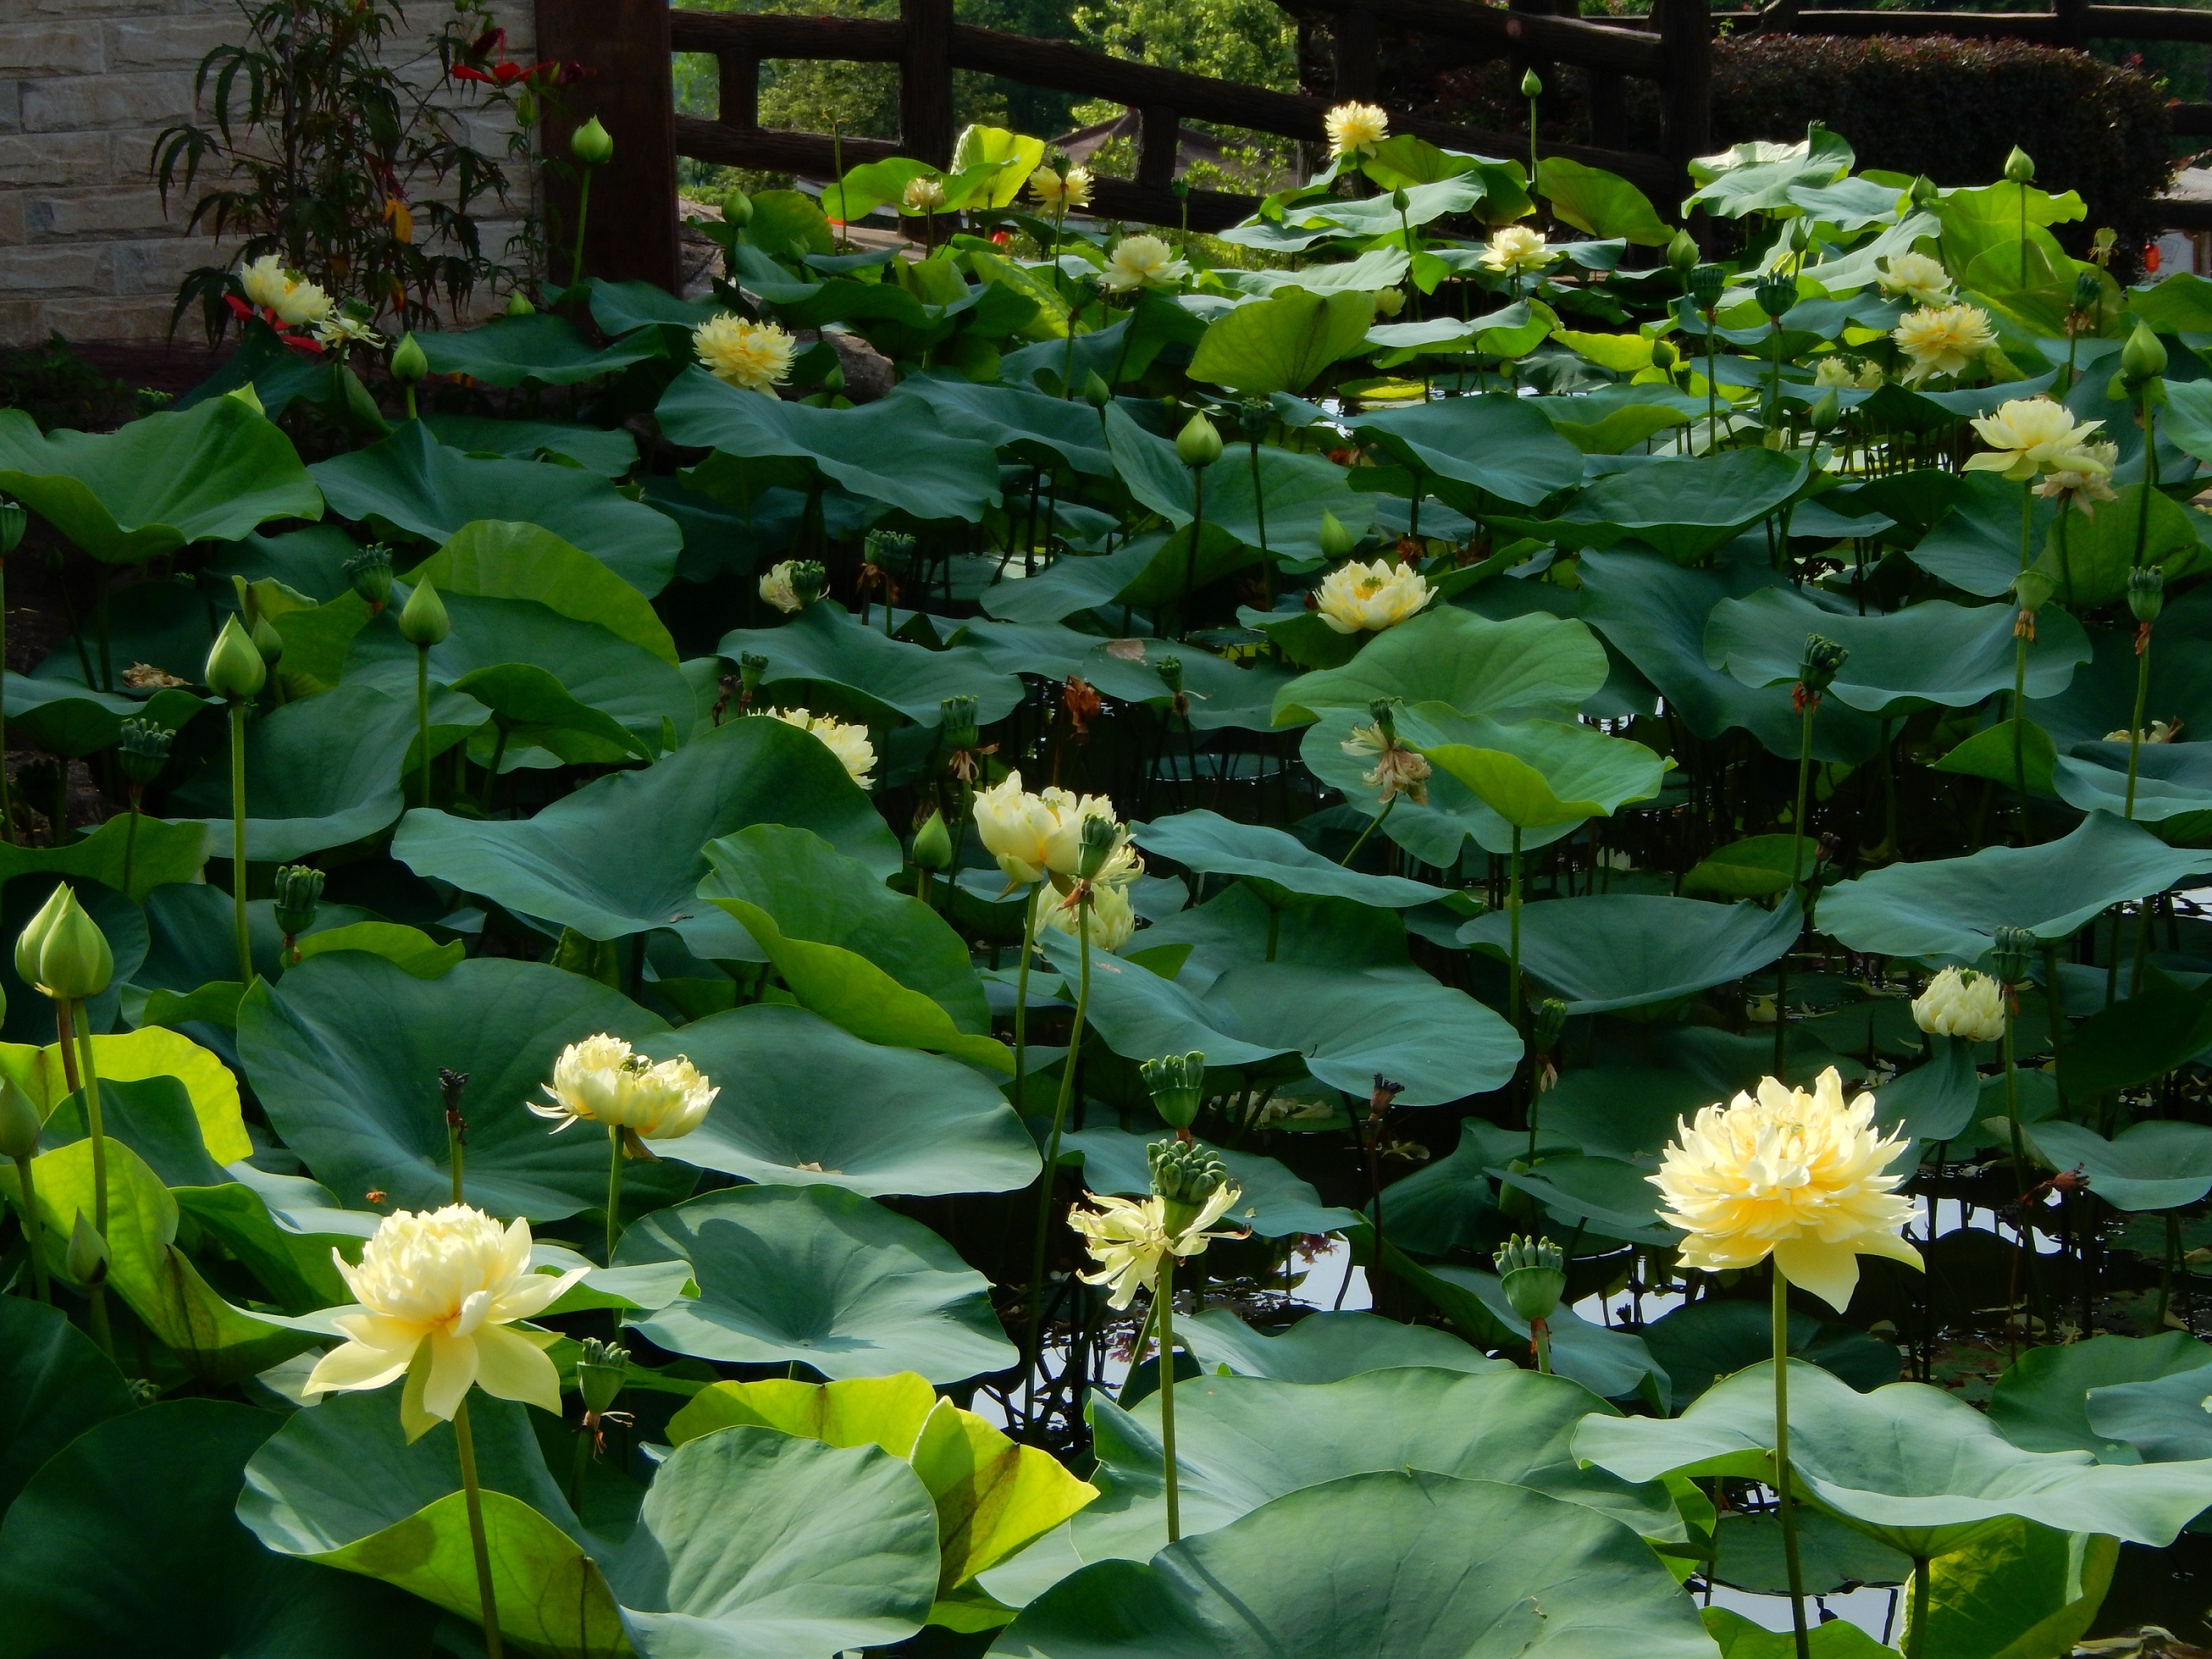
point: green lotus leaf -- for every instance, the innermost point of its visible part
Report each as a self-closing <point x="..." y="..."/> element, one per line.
<point x="1988" y="754"/>
<point x="1233" y="926"/>
<point x="1336" y="218"/>
<point x="1282" y="342"/>
<point x="344" y="1052"/>
<point x="1614" y="1198"/>
<point x="881" y="964"/>
<point x="2157" y="1165"/>
<point x="1023" y="424"/>
<point x="126" y="1542"/>
<point x="152" y="1116"/>
<point x="497" y="560"/>
<point x="820" y="1278"/>
<point x="541" y="350"/>
<point x="1276" y="1204"/>
<point x="1758" y="177"/>
<point x="1298" y="489"/>
<point x="1379" y="267"/>
<point x="2102" y="697"/>
<point x="1206" y="841"/>
<point x="1433" y="830"/>
<point x="1474" y="452"/>
<point x="1611" y="419"/>
<point x="159" y="855"/>
<point x="2046" y="1398"/>
<point x="2163" y="1418"/>
<point x="1930" y="654"/>
<point x="1936" y="1101"/>
<point x="2174" y="783"/>
<point x="212" y="473"/>
<point x="622" y="855"/>
<point x="1701" y="1342"/>
<point x="2022" y="1589"/>
<point x="866" y="676"/>
<point x="414" y="482"/>
<point x="1378" y="1555"/>
<point x="1613" y="1363"/>
<point x="54" y="1385"/>
<point x="1910" y="1465"/>
<point x="1511" y="331"/>
<point x="621" y="308"/>
<point x="1534" y="666"/>
<point x="878" y="450"/>
<point x="1748" y="1555"/>
<point x="808" y="1103"/>
<point x="1757" y="867"/>
<point x="1974" y="544"/>
<point x="1222" y="693"/>
<point x="1603" y="204"/>
<point x="1681" y="508"/>
<point x="319" y="772"/>
<point x="609" y="453"/>
<point x="2092" y="569"/>
<point x="1654" y="613"/>
<point x="1628" y="951"/>
<point x="342" y="1486"/>
<point x="69" y="718"/>
<point x="1537" y="773"/>
<point x="2127" y="1043"/>
<point x="1323" y="1347"/>
<point x="1627" y="1112"/>
<point x="1953" y="907"/>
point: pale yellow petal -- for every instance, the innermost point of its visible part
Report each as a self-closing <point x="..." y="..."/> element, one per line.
<point x="1830" y="1272"/>
<point x="512" y="1367"/>
<point x="534" y="1294"/>
<point x="452" y="1372"/>
<point x="357" y="1365"/>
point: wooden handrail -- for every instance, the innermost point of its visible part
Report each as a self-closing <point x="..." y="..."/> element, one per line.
<point x="1568" y="40"/>
<point x="780" y="34"/>
<point x="2081" y="23"/>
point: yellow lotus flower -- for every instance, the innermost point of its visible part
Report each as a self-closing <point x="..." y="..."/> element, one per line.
<point x="1801" y="1176"/>
<point x="455" y="1279"/>
<point x="1128" y="1237"/>
<point x="340" y="332"/>
<point x="1943" y="340"/>
<point x="1355" y="129"/>
<point x="1112" y="919"/>
<point x="1032" y="835"/>
<point x="295" y="300"/>
<point x="1066" y="191"/>
<point x="1358" y="597"/>
<point x="922" y="195"/>
<point x="1834" y="371"/>
<point x="1515" y="250"/>
<point x="847" y="740"/>
<point x="2160" y="731"/>
<point x="753" y="356"/>
<point x="2029" y="436"/>
<point x="775" y="587"/>
<point x="1961" y="1004"/>
<point x="1140" y="262"/>
<point x="1390" y="301"/>
<point x="2084" y="476"/>
<point x="1917" y="277"/>
<point x="1398" y="770"/>
<point x="603" y="1081"/>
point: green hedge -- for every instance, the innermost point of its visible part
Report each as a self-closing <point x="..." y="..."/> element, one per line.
<point x="1946" y="107"/>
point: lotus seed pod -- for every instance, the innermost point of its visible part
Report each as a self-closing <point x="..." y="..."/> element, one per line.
<point x="409" y="364"/>
<point x="1707" y="284"/>
<point x="1336" y="542"/>
<point x="73" y="960"/>
<point x="299" y="888"/>
<point x="1169" y="669"/>
<point x="422" y="619"/>
<point x="592" y="144"/>
<point x="2089" y="292"/>
<point x="809" y="578"/>
<point x="1775" y="294"/>
<point x="1533" y="1273"/>
<point x="1551" y="1020"/>
<point x="1177" y="1082"/>
<point x="1824" y="659"/>
<point x="1102" y="837"/>
<point x="2019" y="167"/>
<point x="1256" y="415"/>
<point x="1184" y="1176"/>
<point x="2146" y="592"/>
<point x="369" y="573"/>
<point x="2034" y="589"/>
<point x="20" y="1125"/>
<point x="932" y="844"/>
<point x="1199" y="443"/>
<point x="86" y="1261"/>
<point x="142" y="749"/>
<point x="956" y="722"/>
<point x="599" y="1371"/>
<point x="2008" y="954"/>
<point x="236" y="668"/>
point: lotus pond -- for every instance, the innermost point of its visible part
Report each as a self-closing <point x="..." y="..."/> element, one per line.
<point x="710" y="924"/>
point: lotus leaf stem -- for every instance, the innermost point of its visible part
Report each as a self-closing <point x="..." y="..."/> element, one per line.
<point x="1781" y="1498"/>
<point x="465" y="1442"/>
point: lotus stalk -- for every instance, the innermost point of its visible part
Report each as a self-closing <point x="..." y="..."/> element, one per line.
<point x="19" y="1128"/>
<point x="2146" y="598"/>
<point x="14" y="524"/>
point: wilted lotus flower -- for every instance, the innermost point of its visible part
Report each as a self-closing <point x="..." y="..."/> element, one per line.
<point x="1398" y="769"/>
<point x="603" y="1081"/>
<point x="1800" y="1176"/>
<point x="1961" y="1003"/>
<point x="456" y="1279"/>
<point x="1128" y="1238"/>
<point x="845" y="739"/>
<point x="1358" y="598"/>
<point x="2083" y="476"/>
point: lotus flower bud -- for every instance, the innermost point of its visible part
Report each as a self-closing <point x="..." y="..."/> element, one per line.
<point x="268" y="641"/>
<point x="1177" y="1082"/>
<point x="2008" y="954"/>
<point x="1825" y="411"/>
<point x="1707" y="283"/>
<point x="1824" y="661"/>
<point x="1775" y="294"/>
<point x="2146" y="592"/>
<point x="1682" y="254"/>
<point x="600" y="1372"/>
<point x="2089" y="292"/>
<point x="142" y="749"/>
<point x="86" y="1261"/>
<point x="1533" y="1273"/>
<point x="13" y="521"/>
<point x="518" y="305"/>
<point x="1967" y="1005"/>
<point x="73" y="960"/>
<point x="1399" y="200"/>
<point x="2142" y="359"/>
<point x="1924" y="192"/>
<point x="1199" y="444"/>
<point x="1664" y="356"/>
<point x="2019" y="167"/>
<point x="1390" y="301"/>
<point x="33" y="939"/>
<point x="1184" y="1176"/>
<point x="1336" y="542"/>
<point x="592" y="144"/>
<point x="932" y="844"/>
<point x="1532" y="84"/>
<point x="809" y="578"/>
<point x="20" y="1124"/>
<point x="956" y="722"/>
<point x="1255" y="414"/>
<point x="422" y="619"/>
<point x="1102" y="837"/>
<point x="1180" y="185"/>
<point x="409" y="364"/>
<point x="737" y="208"/>
<point x="299" y="887"/>
<point x="369" y="573"/>
<point x="1096" y="391"/>
<point x="235" y="669"/>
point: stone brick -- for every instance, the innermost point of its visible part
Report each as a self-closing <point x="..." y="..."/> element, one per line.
<point x="12" y="203"/>
<point x="51" y="48"/>
<point x="96" y="213"/>
<point x="11" y="106"/>
<point x="169" y="42"/>
<point x="54" y="158"/>
<point x="75" y="103"/>
<point x="156" y="265"/>
<point x="86" y="269"/>
<point x="146" y="317"/>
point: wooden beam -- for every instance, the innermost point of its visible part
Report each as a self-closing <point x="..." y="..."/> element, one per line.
<point x="1685" y="98"/>
<point x="1966" y="25"/>
<point x="2191" y="120"/>
<point x="926" y="81"/>
<point x="776" y="34"/>
<point x="1568" y="40"/>
<point x="631" y="231"/>
<point x="2150" y="23"/>
<point x="1352" y="33"/>
<point x="2183" y="213"/>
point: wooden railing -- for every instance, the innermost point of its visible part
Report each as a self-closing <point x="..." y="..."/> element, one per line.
<point x="624" y="46"/>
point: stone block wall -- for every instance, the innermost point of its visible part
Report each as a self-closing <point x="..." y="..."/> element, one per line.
<point x="86" y="248"/>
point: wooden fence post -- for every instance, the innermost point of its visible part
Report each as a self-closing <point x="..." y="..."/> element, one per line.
<point x="1159" y="139"/>
<point x="622" y="46"/>
<point x="2072" y="23"/>
<point x="738" y="86"/>
<point x="926" y="81"/>
<point x="1353" y="33"/>
<point x="1685" y="39"/>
